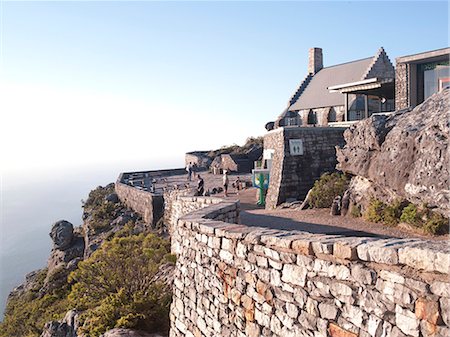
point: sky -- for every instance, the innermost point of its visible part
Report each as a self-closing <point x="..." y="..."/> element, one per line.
<point x="96" y="83"/>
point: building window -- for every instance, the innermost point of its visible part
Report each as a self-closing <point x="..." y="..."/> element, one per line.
<point x="356" y="109"/>
<point x="435" y="77"/>
<point x="292" y="121"/>
<point x="312" y="118"/>
<point x="332" y="115"/>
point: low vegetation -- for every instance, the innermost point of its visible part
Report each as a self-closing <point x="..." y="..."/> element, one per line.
<point x="115" y="287"/>
<point x="403" y="212"/>
<point x="102" y="212"/>
<point x="329" y="186"/>
<point x="27" y="313"/>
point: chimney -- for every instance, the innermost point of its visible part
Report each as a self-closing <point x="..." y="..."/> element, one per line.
<point x="315" y="62"/>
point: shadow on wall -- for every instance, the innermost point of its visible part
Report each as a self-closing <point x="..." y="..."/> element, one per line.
<point x="274" y="222"/>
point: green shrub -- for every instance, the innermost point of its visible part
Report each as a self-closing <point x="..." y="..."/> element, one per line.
<point x="114" y="286"/>
<point x="103" y="215"/>
<point x="436" y="224"/>
<point x="327" y="188"/>
<point x="392" y="213"/>
<point x="410" y="215"/>
<point x="355" y="211"/>
<point x="26" y="315"/>
<point x="375" y="210"/>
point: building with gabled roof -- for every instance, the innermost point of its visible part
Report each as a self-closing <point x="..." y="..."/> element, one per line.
<point x="344" y="92"/>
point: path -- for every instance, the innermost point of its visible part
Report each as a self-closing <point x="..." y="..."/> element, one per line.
<point x="318" y="221"/>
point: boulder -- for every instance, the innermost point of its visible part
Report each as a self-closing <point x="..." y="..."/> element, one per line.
<point x="62" y="234"/>
<point x="401" y="156"/>
<point x="113" y="197"/>
<point x="60" y="257"/>
<point x="67" y="327"/>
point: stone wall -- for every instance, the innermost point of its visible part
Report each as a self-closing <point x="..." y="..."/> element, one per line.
<point x="149" y="205"/>
<point x="232" y="280"/>
<point x="401" y="86"/>
<point x="292" y="176"/>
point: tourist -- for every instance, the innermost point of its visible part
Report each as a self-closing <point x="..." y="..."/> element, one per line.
<point x="200" y="186"/>
<point x="225" y="183"/>
<point x="189" y="171"/>
<point x="237" y="185"/>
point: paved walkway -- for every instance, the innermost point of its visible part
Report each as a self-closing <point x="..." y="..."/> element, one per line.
<point x="318" y="221"/>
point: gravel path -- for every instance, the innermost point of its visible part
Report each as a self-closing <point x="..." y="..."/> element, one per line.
<point x="318" y="221"/>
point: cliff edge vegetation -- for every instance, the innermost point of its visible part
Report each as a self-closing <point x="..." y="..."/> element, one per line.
<point x="111" y="273"/>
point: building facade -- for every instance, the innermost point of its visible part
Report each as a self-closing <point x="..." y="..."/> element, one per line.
<point x="346" y="92"/>
<point x="419" y="76"/>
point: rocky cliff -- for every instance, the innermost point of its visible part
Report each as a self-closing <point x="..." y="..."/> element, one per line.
<point x="42" y="306"/>
<point x="401" y="156"/>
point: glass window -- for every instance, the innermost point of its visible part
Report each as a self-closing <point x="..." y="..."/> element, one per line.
<point x="356" y="109"/>
<point x="435" y="78"/>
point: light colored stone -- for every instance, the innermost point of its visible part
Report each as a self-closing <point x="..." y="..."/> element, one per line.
<point x="445" y="310"/>
<point x="428" y="259"/>
<point x="252" y="330"/>
<point x="328" y="311"/>
<point x="292" y="310"/>
<point x="406" y="321"/>
<point x="440" y="288"/>
<point x="294" y="274"/>
<point x="362" y="275"/>
<point x="353" y="314"/>
<point x="392" y="277"/>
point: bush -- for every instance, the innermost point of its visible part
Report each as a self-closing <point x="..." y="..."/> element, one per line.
<point x="327" y="188"/>
<point x="436" y="224"/>
<point x="355" y="211"/>
<point x="114" y="286"/>
<point x="392" y="213"/>
<point x="26" y="314"/>
<point x="375" y="210"/>
<point x="410" y="215"/>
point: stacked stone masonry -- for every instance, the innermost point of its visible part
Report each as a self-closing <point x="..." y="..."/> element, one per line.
<point x="292" y="176"/>
<point x="148" y="205"/>
<point x="233" y="280"/>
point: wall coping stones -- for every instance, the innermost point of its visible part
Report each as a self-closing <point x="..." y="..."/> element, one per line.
<point x="419" y="254"/>
<point x="236" y="280"/>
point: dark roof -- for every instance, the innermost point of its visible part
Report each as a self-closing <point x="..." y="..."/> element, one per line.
<point x="316" y="94"/>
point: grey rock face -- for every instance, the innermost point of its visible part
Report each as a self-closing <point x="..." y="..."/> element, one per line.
<point x="65" y="328"/>
<point x="59" y="257"/>
<point x="404" y="155"/>
<point x="62" y="234"/>
<point x="112" y="198"/>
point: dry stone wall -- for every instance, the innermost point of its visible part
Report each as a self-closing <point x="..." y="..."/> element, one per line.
<point x="292" y="175"/>
<point x="148" y="205"/>
<point x="233" y="280"/>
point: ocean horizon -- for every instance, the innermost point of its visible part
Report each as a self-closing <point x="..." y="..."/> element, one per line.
<point x="32" y="202"/>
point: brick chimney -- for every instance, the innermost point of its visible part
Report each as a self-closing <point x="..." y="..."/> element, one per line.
<point x="315" y="62"/>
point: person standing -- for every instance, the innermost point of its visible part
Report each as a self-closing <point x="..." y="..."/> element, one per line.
<point x="225" y="181"/>
<point x="200" y="186"/>
<point x="237" y="185"/>
<point x="189" y="171"/>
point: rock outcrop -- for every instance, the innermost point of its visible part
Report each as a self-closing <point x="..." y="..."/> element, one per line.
<point x="401" y="156"/>
<point x="68" y="245"/>
<point x="67" y="327"/>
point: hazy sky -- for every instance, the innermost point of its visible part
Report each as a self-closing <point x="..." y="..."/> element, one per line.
<point x="86" y="83"/>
